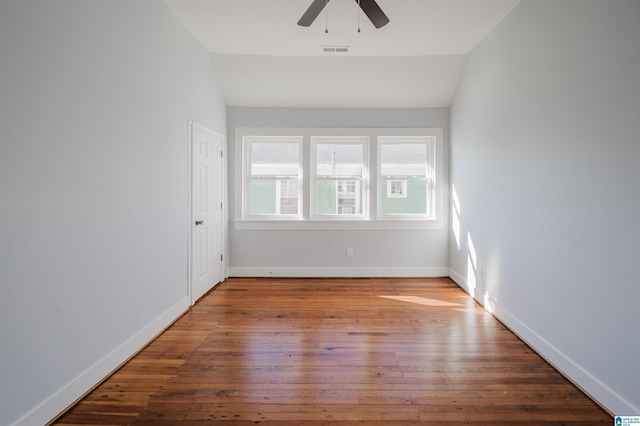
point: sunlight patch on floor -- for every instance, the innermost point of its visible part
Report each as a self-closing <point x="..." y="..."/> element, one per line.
<point x="422" y="301"/>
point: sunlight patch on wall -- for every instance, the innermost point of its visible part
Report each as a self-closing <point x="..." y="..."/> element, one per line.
<point x="471" y="266"/>
<point x="455" y="220"/>
<point x="488" y="303"/>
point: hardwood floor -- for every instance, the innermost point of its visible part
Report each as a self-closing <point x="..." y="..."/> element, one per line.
<point x="336" y="352"/>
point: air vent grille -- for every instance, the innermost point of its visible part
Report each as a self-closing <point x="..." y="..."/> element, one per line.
<point x="335" y="49"/>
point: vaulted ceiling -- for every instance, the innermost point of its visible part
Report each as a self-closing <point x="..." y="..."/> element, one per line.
<point x="263" y="58"/>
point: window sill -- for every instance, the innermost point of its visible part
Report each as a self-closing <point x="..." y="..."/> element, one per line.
<point x="338" y="225"/>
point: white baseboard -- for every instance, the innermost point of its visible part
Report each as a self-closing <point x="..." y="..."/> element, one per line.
<point x="597" y="390"/>
<point x="72" y="391"/>
<point x="459" y="279"/>
<point x="345" y="272"/>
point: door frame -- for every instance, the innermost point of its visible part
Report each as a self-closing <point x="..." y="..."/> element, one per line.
<point x="225" y="202"/>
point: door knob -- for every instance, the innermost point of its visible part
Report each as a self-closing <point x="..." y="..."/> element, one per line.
<point x="199" y="222"/>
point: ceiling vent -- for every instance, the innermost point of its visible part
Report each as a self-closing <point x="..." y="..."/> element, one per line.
<point x="335" y="49"/>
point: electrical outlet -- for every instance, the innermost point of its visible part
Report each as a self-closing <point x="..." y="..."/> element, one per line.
<point x="349" y="252"/>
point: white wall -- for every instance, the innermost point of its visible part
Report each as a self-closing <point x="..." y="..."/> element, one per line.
<point x="322" y="253"/>
<point x="545" y="146"/>
<point x="94" y="105"/>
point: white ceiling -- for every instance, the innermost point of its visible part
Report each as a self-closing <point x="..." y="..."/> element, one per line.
<point x="264" y="59"/>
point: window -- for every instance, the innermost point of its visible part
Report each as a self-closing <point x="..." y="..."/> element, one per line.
<point x="406" y="177"/>
<point x="272" y="185"/>
<point x="320" y="179"/>
<point x="339" y="176"/>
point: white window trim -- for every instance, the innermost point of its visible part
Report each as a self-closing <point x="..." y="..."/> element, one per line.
<point x="304" y="222"/>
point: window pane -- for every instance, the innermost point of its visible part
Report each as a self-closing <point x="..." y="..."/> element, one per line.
<point x="263" y="197"/>
<point x="326" y="197"/>
<point x="348" y="197"/>
<point x="274" y="197"/>
<point x="403" y="159"/>
<point x="275" y="159"/>
<point x="338" y="197"/>
<point x="412" y="201"/>
<point x="288" y="197"/>
<point x="333" y="159"/>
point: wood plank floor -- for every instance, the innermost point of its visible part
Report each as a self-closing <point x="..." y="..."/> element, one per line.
<point x="336" y="352"/>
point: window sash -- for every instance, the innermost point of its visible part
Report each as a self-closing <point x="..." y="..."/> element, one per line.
<point x="332" y="170"/>
<point x="265" y="174"/>
<point x="339" y="198"/>
<point x="414" y="169"/>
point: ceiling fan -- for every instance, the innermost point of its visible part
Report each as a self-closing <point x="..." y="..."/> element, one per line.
<point x="369" y="7"/>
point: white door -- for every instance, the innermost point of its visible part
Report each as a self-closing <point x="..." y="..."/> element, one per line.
<point x="206" y="211"/>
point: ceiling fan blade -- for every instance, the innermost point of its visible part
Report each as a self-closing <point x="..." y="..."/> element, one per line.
<point x="312" y="13"/>
<point x="374" y="13"/>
